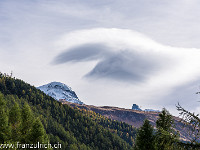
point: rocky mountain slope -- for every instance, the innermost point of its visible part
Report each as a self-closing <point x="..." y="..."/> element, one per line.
<point x="132" y="117"/>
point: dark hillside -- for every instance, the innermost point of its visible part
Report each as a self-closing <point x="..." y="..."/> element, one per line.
<point x="63" y="124"/>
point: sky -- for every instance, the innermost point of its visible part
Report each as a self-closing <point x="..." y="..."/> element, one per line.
<point x="114" y="53"/>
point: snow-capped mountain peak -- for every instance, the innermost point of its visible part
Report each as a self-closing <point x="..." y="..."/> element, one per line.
<point x="60" y="91"/>
<point x="59" y="85"/>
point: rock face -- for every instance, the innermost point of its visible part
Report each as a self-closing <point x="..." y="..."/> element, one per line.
<point x="60" y="91"/>
<point x="136" y="107"/>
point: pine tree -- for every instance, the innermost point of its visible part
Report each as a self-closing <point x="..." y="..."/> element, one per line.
<point x="191" y="120"/>
<point x="166" y="137"/>
<point x="38" y="134"/>
<point x="73" y="147"/>
<point x="27" y="120"/>
<point x="165" y="120"/>
<point x="5" y="130"/>
<point x="15" y="122"/>
<point x="63" y="118"/>
<point x="145" y="137"/>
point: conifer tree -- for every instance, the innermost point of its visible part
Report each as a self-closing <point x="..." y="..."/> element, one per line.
<point x="15" y="122"/>
<point x="5" y="130"/>
<point x="58" y="120"/>
<point x="27" y="120"/>
<point x="38" y="134"/>
<point x="145" y="137"/>
<point x="165" y="120"/>
<point x="166" y="137"/>
<point x="192" y="120"/>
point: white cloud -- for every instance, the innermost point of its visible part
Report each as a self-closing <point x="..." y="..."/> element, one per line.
<point x="181" y="65"/>
<point x="30" y="38"/>
<point x="179" y="59"/>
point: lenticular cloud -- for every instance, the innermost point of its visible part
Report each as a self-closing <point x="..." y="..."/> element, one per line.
<point x="126" y="55"/>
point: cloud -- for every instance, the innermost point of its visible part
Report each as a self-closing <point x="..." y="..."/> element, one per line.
<point x="151" y="71"/>
<point x="120" y="65"/>
<point x="86" y="52"/>
<point x="121" y="55"/>
<point x="33" y="33"/>
<point x="126" y="66"/>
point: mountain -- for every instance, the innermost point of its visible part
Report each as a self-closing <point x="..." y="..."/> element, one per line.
<point x="60" y="91"/>
<point x="132" y="117"/>
<point x="62" y="124"/>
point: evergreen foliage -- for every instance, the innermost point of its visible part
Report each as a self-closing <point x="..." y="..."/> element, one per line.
<point x="5" y="130"/>
<point x="145" y="139"/>
<point x="166" y="136"/>
<point x="122" y="129"/>
<point x="191" y="122"/>
<point x="63" y="124"/>
<point x="27" y="121"/>
<point x="15" y="122"/>
<point x="27" y="115"/>
<point x="38" y="134"/>
<point x="12" y="129"/>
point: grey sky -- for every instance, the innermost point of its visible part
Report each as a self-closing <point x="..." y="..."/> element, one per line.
<point x="98" y="45"/>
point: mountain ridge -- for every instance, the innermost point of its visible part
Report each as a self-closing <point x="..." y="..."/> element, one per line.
<point x="130" y="116"/>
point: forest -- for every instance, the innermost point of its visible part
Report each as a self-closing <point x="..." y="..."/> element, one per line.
<point x="27" y="115"/>
<point x="58" y="123"/>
